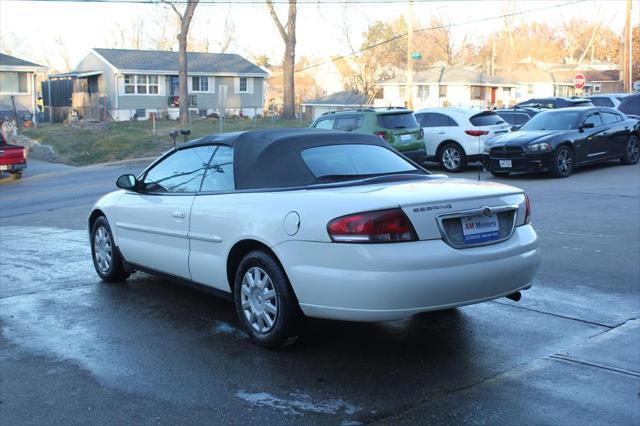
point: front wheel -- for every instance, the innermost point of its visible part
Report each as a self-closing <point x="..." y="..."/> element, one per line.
<point x="562" y="162"/>
<point x="453" y="158"/>
<point x="265" y="303"/>
<point x="632" y="155"/>
<point x="106" y="258"/>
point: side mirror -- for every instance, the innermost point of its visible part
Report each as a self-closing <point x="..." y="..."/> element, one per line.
<point x="128" y="182"/>
<point x="515" y="128"/>
<point x="587" y="126"/>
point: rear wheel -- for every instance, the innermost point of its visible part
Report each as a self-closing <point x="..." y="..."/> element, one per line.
<point x="106" y="257"/>
<point x="500" y="174"/>
<point x="453" y="157"/>
<point x="632" y="155"/>
<point x="265" y="303"/>
<point x="563" y="162"/>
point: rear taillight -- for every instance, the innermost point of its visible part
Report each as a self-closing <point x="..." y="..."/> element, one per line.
<point x="24" y="154"/>
<point x="382" y="226"/>
<point x="382" y="135"/>
<point x="527" y="210"/>
<point x="476" y="132"/>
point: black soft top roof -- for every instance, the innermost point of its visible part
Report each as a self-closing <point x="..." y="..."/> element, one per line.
<point x="271" y="158"/>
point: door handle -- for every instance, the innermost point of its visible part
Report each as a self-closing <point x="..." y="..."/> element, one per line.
<point x="178" y="215"/>
<point x="441" y="133"/>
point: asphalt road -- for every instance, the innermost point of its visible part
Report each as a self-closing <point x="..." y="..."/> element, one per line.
<point x="74" y="350"/>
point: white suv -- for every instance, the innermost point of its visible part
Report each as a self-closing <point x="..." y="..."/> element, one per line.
<point x="456" y="136"/>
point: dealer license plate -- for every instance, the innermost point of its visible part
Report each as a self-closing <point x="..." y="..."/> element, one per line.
<point x="505" y="164"/>
<point x="405" y="138"/>
<point x="3" y="167"/>
<point x="479" y="229"/>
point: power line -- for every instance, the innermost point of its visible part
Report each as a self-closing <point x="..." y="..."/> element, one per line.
<point x="234" y="2"/>
<point x="437" y="27"/>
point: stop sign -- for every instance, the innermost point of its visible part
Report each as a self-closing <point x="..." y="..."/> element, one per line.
<point x="579" y="80"/>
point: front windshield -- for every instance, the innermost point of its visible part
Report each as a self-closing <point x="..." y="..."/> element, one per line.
<point x="554" y="120"/>
<point x="349" y="161"/>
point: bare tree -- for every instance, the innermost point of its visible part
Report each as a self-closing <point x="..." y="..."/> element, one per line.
<point x="64" y="53"/>
<point x="289" y="38"/>
<point x="185" y="20"/>
<point x="229" y="34"/>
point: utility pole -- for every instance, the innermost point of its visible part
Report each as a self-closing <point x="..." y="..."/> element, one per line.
<point x="627" y="67"/>
<point x="409" y="89"/>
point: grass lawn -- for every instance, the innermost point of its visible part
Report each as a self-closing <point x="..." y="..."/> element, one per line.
<point x="134" y="139"/>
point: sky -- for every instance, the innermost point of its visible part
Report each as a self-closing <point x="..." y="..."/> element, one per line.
<point x="37" y="30"/>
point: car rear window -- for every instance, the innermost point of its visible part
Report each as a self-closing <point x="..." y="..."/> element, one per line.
<point x="404" y="120"/>
<point x="602" y="102"/>
<point x="354" y="160"/>
<point x="630" y="105"/>
<point x="486" y="119"/>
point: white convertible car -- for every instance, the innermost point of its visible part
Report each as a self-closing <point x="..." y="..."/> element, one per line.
<point x="294" y="223"/>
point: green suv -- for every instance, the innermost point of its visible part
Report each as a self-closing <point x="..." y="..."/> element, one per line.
<point x="397" y="126"/>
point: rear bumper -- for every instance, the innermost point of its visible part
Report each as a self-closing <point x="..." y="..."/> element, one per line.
<point x="379" y="282"/>
<point x="417" y="155"/>
<point x="11" y="168"/>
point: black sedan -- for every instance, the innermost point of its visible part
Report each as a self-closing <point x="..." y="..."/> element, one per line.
<point x="557" y="141"/>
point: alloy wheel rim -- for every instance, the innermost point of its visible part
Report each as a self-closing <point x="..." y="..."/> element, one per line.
<point x="103" y="249"/>
<point x="564" y="161"/>
<point x="451" y="158"/>
<point x="259" y="300"/>
<point x="634" y="150"/>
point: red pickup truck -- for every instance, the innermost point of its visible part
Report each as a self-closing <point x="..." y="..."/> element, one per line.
<point x="13" y="158"/>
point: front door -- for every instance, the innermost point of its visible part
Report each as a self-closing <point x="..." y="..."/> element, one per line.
<point x="152" y="225"/>
<point x="596" y="138"/>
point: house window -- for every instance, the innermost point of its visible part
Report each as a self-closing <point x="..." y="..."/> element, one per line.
<point x="423" y="92"/>
<point x="141" y="84"/>
<point x="596" y="88"/>
<point x="442" y="92"/>
<point x="477" y="92"/>
<point x="530" y="89"/>
<point x="14" y="82"/>
<point x="402" y="91"/>
<point x="200" y="84"/>
<point x="243" y="85"/>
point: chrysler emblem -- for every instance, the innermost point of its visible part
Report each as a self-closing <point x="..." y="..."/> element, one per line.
<point x="486" y="211"/>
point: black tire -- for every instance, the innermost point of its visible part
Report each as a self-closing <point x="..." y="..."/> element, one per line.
<point x="563" y="161"/>
<point x="115" y="271"/>
<point x="16" y="175"/>
<point x="500" y="174"/>
<point x="632" y="154"/>
<point x="285" y="321"/>
<point x="452" y="157"/>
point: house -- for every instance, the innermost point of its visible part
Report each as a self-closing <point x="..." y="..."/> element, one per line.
<point x="132" y="84"/>
<point x="534" y="82"/>
<point x="441" y="85"/>
<point x="336" y="102"/>
<point x="18" y="87"/>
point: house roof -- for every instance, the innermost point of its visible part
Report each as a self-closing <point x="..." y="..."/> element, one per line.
<point x="7" y="61"/>
<point x="167" y="61"/>
<point x="345" y="98"/>
<point x="444" y="75"/>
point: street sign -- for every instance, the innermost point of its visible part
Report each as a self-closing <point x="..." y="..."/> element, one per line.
<point x="416" y="55"/>
<point x="579" y="80"/>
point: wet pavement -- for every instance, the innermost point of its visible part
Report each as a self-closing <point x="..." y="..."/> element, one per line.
<point x="74" y="350"/>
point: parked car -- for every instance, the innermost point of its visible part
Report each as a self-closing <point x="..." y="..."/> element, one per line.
<point x="516" y="116"/>
<point x="557" y="141"/>
<point x="555" y="102"/>
<point x="630" y="106"/>
<point x="397" y="126"/>
<point x="455" y="136"/>
<point x="13" y="158"/>
<point x="297" y="222"/>
<point x="607" y="100"/>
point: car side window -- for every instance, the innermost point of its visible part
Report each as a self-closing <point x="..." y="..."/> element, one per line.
<point x="602" y="101"/>
<point x="521" y="119"/>
<point x="609" y="117"/>
<point x="593" y="118"/>
<point x="219" y="173"/>
<point x="431" y="119"/>
<point x="347" y="124"/>
<point x="180" y="172"/>
<point x="327" y="123"/>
